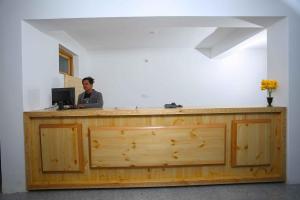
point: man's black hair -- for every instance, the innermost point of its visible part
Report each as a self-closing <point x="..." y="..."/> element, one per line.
<point x="89" y="79"/>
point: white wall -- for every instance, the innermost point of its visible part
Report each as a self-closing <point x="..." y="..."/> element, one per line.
<point x="153" y="77"/>
<point x="11" y="106"/>
<point x="41" y="64"/>
<point x="278" y="52"/>
<point x="293" y="125"/>
<point x="41" y="71"/>
<point x="13" y="11"/>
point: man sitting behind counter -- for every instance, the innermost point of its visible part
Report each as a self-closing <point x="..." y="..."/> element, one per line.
<point x="90" y="98"/>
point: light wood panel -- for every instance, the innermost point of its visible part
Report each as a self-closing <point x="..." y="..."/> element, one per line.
<point x="71" y="81"/>
<point x="104" y="177"/>
<point x="251" y="142"/>
<point x="157" y="146"/>
<point x="61" y="147"/>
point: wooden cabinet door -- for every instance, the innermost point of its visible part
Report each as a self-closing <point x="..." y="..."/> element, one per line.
<point x="61" y="147"/>
<point x="251" y="142"/>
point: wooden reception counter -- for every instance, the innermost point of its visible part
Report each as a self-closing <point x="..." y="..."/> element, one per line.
<point x="94" y="148"/>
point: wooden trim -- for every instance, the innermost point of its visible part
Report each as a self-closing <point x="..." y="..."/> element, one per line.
<point x="95" y="112"/>
<point x="251" y="121"/>
<point x="89" y="147"/>
<point x="171" y="183"/>
<point x="80" y="146"/>
<point x="220" y="125"/>
<point x="59" y="125"/>
<point x="225" y="144"/>
<point x="63" y="53"/>
<point x="282" y="130"/>
<point x="234" y="139"/>
<point x="233" y="143"/>
<point x="27" y="131"/>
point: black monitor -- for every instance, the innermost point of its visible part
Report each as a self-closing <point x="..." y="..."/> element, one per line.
<point x="65" y="96"/>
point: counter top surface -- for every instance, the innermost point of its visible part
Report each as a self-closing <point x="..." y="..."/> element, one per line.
<point x="149" y="111"/>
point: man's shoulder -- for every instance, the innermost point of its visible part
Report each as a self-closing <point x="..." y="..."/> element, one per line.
<point x="97" y="93"/>
<point x="81" y="94"/>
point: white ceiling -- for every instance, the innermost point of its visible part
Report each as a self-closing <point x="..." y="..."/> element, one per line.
<point x="118" y="38"/>
<point x="156" y="32"/>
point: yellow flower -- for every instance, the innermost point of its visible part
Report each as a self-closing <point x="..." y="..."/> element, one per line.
<point x="268" y="84"/>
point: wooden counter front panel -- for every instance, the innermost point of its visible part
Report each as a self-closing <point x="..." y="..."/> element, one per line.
<point x="157" y="146"/>
<point x="218" y="167"/>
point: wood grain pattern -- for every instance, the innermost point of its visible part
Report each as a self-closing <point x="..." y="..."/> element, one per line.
<point x="61" y="147"/>
<point x="251" y="142"/>
<point x="149" y="111"/>
<point x="157" y="146"/>
<point x="105" y="177"/>
<point x="135" y="184"/>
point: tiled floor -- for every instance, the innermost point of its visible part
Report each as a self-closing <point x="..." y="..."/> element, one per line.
<point x="221" y="192"/>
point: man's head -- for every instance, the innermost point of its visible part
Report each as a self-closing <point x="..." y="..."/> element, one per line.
<point x="87" y="84"/>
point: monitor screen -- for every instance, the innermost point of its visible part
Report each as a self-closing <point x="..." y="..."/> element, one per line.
<point x="64" y="95"/>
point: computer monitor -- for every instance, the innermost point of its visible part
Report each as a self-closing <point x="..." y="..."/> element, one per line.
<point x="65" y="96"/>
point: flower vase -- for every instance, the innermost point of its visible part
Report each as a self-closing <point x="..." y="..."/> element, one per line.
<point x="270" y="100"/>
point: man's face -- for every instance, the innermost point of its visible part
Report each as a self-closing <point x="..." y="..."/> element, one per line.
<point x="86" y="85"/>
